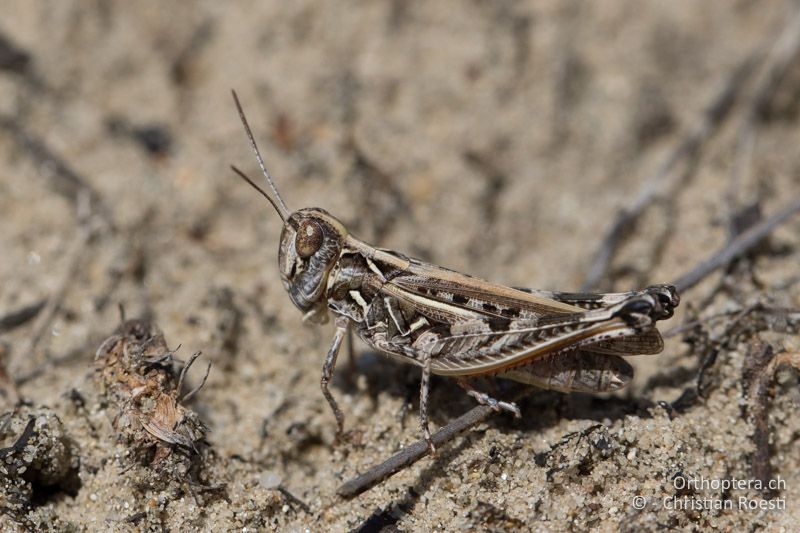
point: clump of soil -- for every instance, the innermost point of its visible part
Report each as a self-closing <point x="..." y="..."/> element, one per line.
<point x="38" y="459"/>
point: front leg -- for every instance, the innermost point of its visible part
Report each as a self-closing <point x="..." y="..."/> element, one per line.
<point x="342" y="326"/>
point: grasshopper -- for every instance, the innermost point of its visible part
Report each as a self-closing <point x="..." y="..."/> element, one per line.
<point x="453" y="324"/>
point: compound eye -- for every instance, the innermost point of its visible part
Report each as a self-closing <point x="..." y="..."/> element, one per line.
<point x="308" y="239"/>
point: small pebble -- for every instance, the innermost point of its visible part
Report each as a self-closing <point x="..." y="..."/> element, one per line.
<point x="270" y="480"/>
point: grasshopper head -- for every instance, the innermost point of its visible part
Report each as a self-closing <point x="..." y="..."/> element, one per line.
<point x="311" y="242"/>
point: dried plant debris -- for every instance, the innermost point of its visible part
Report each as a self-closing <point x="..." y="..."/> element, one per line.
<point x="758" y="374"/>
<point x="577" y="453"/>
<point x="720" y="333"/>
<point x="173" y="478"/>
<point x="135" y="368"/>
<point x="135" y="458"/>
<point x="38" y="460"/>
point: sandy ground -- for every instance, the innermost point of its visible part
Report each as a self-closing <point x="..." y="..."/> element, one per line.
<point x="495" y="138"/>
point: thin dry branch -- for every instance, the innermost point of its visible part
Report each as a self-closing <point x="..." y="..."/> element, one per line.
<point x="91" y="212"/>
<point x="779" y="59"/>
<point x="62" y="177"/>
<point x="775" y="62"/>
<point x="666" y="173"/>
<point x="736" y="247"/>
<point x="20" y="317"/>
<point x="788" y="314"/>
<point x="74" y="254"/>
<point x="413" y="453"/>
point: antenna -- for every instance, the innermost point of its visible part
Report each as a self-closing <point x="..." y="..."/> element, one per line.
<point x="279" y="206"/>
<point x="259" y="189"/>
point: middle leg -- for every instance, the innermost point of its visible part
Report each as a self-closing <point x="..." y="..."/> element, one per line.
<point x="342" y="326"/>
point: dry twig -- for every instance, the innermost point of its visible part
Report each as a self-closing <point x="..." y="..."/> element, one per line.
<point x="20" y="317"/>
<point x="63" y="178"/>
<point x="74" y="254"/>
<point x="413" y="453"/>
<point x="782" y="50"/>
<point x="788" y="314"/>
<point x="666" y="174"/>
<point x="736" y="248"/>
<point x="779" y="58"/>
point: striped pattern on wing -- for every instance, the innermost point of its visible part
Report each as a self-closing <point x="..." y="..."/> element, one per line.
<point x="472" y="348"/>
<point x="477" y="327"/>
